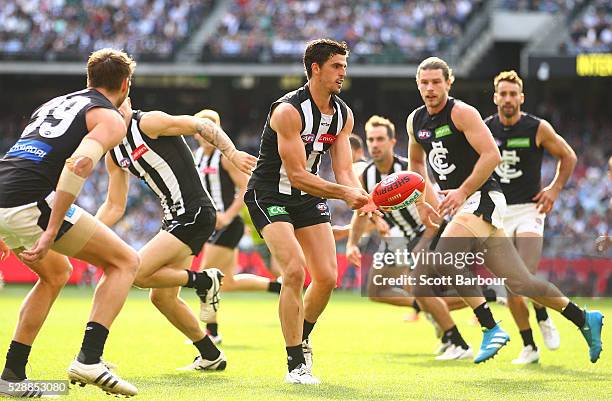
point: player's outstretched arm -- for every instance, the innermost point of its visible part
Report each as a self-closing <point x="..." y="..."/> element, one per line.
<point x="547" y="138"/>
<point x="157" y="123"/>
<point x="285" y="120"/>
<point x="113" y="207"/>
<point x="106" y="130"/>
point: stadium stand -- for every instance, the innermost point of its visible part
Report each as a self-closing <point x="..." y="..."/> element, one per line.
<point x="549" y="6"/>
<point x="66" y="29"/>
<point x="592" y="32"/>
<point x="386" y="32"/>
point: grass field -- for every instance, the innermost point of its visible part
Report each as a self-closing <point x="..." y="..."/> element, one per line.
<point x="362" y="351"/>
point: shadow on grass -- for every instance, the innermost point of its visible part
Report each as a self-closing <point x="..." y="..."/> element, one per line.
<point x="333" y="392"/>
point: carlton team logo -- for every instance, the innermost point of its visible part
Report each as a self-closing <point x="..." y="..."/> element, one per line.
<point x="327" y="139"/>
<point x="424" y="134"/>
<point x="139" y="152"/>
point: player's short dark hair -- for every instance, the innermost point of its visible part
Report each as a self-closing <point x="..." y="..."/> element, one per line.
<point x="107" y="68"/>
<point x="508" y="76"/>
<point x="378" y="121"/>
<point x="320" y="50"/>
<point x="356" y="142"/>
<point x="436" y="63"/>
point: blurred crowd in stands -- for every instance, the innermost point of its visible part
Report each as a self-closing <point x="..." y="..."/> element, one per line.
<point x="391" y="31"/>
<point x="592" y="31"/>
<point x="70" y="29"/>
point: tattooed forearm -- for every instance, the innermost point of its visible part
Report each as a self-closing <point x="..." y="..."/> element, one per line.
<point x="213" y="134"/>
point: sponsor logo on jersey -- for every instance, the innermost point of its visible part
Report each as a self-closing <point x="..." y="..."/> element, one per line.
<point x="30" y="149"/>
<point x="424" y="134"/>
<point x="437" y="160"/>
<point x="443" y="131"/>
<point x="71" y="211"/>
<point x="139" y="152"/>
<point x="518" y="143"/>
<point x="308" y="138"/>
<point x="506" y="169"/>
<point x="276" y="210"/>
<point x="125" y="162"/>
<point x="209" y="170"/>
<point x="327" y="138"/>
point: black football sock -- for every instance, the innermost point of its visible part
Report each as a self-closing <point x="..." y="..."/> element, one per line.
<point x="527" y="336"/>
<point x="207" y="349"/>
<point x="295" y="357"/>
<point x="274" y="286"/>
<point x="93" y="343"/>
<point x="198" y="280"/>
<point x="574" y="314"/>
<point x="484" y="315"/>
<point x="454" y="337"/>
<point x="541" y="313"/>
<point x="415" y="306"/>
<point x="16" y="361"/>
<point x="213" y="329"/>
<point x="307" y="329"/>
<point x="489" y="294"/>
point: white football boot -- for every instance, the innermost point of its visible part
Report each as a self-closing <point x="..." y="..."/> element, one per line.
<point x="301" y="375"/>
<point x="307" y="350"/>
<point x="527" y="355"/>
<point x="550" y="334"/>
<point x="209" y="299"/>
<point x="100" y="375"/>
<point x="455" y="352"/>
<point x="200" y="363"/>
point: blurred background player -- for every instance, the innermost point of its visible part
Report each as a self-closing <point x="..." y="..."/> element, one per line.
<point x="285" y="195"/>
<point x="40" y="177"/>
<point x="357" y="153"/>
<point x="154" y="151"/>
<point x="226" y="184"/>
<point x="451" y="136"/>
<point x="522" y="139"/>
<point x="405" y="232"/>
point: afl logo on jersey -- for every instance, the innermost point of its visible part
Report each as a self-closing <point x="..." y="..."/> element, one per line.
<point x="125" y="162"/>
<point x="308" y="138"/>
<point x="424" y="134"/>
<point x="327" y="138"/>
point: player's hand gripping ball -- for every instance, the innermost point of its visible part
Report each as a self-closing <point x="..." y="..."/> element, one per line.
<point x="398" y="190"/>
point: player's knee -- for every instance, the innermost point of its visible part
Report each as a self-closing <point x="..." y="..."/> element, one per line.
<point x="57" y="278"/>
<point x="130" y="263"/>
<point x="293" y="274"/>
<point x="327" y="281"/>
<point x="160" y="299"/>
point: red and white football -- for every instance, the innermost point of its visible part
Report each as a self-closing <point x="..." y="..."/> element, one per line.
<point x="398" y="190"/>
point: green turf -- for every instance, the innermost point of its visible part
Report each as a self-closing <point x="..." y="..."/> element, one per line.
<point x="362" y="351"/>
